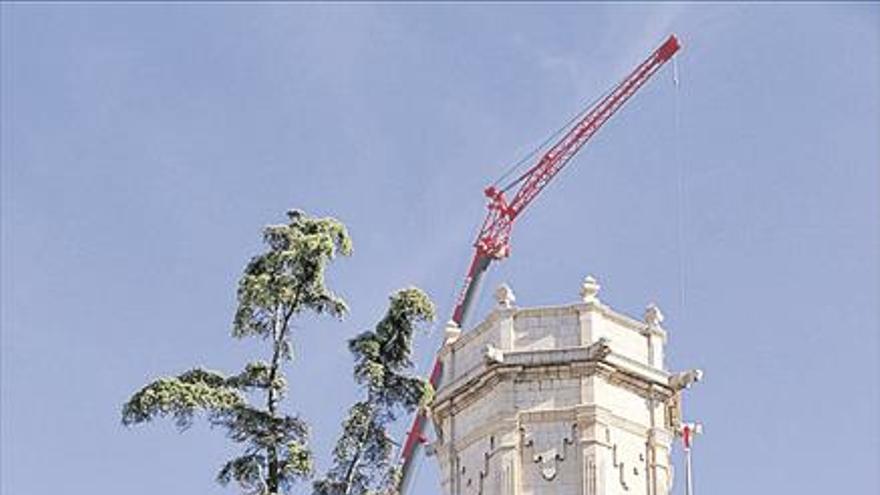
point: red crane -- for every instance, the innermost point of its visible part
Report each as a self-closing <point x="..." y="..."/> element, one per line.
<point x="493" y="241"/>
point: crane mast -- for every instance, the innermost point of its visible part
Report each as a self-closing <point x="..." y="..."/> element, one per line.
<point x="493" y="241"/>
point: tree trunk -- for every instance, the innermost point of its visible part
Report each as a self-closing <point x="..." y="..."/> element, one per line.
<point x="273" y="481"/>
<point x="349" y="475"/>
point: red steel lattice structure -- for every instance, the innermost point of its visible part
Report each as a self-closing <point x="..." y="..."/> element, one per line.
<point x="493" y="241"/>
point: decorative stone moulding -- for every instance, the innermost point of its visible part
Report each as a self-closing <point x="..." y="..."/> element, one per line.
<point x="571" y="400"/>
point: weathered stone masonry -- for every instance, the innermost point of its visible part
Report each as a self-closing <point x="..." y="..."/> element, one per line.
<point x="557" y="400"/>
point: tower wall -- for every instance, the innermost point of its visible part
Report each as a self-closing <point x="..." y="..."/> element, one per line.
<point x="559" y="400"/>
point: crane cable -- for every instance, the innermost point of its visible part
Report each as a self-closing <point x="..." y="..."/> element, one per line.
<point x="682" y="256"/>
<point x="678" y="157"/>
<point x="552" y="137"/>
<point x="682" y="204"/>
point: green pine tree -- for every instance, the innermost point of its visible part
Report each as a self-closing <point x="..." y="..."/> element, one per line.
<point x="281" y="283"/>
<point x="362" y="463"/>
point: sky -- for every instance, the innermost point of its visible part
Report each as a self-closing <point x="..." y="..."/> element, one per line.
<point x="144" y="145"/>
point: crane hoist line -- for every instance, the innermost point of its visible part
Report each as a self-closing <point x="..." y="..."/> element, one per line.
<point x="493" y="241"/>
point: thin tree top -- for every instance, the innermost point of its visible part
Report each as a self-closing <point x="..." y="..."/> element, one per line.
<point x="289" y="276"/>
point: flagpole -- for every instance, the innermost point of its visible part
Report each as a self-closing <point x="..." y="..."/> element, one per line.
<point x="688" y="432"/>
<point x="689" y="481"/>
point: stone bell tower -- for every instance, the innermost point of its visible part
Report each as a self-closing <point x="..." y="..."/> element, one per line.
<point x="563" y="400"/>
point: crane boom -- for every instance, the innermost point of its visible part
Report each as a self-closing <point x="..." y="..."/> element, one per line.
<point x="494" y="237"/>
<point x="493" y="241"/>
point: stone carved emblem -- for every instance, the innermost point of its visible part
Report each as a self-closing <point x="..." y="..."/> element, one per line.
<point x="549" y="463"/>
<point x="548" y="460"/>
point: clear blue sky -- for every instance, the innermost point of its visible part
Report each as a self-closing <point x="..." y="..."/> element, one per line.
<point x="144" y="146"/>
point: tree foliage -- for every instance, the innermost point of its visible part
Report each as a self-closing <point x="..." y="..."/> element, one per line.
<point x="277" y="285"/>
<point x="362" y="463"/>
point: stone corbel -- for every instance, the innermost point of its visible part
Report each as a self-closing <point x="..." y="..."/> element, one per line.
<point x="679" y="382"/>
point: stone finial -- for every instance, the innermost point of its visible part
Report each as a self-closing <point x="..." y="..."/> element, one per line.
<point x="504" y="296"/>
<point x="590" y="289"/>
<point x="653" y="316"/>
<point x="451" y="333"/>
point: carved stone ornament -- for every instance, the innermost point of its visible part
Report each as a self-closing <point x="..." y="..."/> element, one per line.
<point x="493" y="354"/>
<point x="590" y="290"/>
<point x="548" y="460"/>
<point x="504" y="296"/>
<point x="685" y="379"/>
<point x="599" y="349"/>
<point x="653" y="316"/>
<point x="451" y="333"/>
